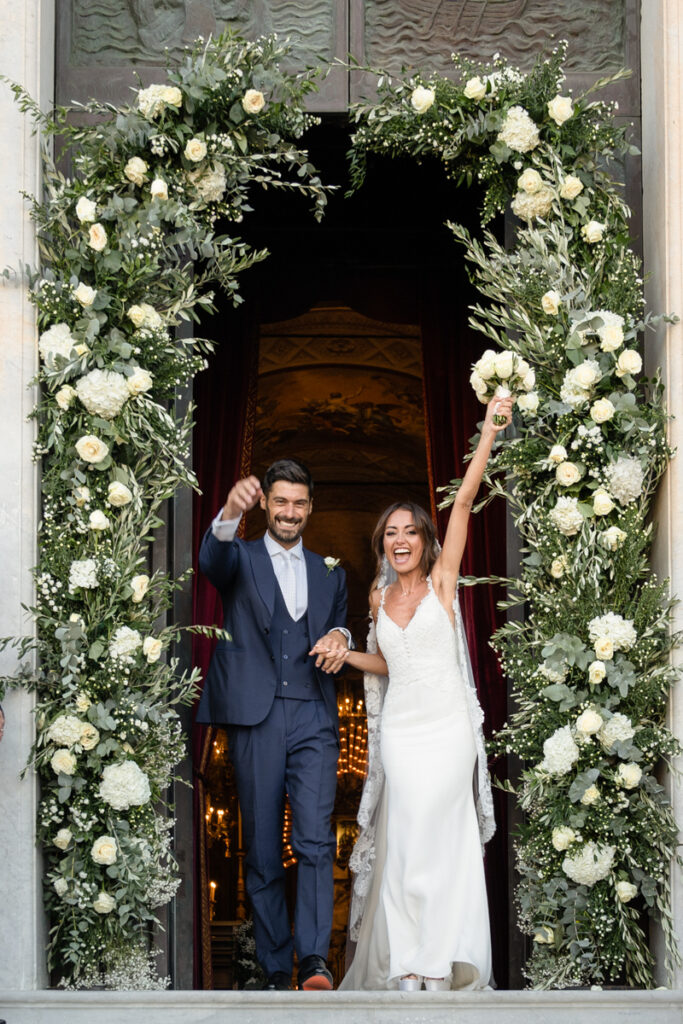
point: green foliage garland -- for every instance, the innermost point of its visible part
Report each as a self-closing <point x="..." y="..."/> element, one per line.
<point x="129" y="248"/>
<point x="589" y="661"/>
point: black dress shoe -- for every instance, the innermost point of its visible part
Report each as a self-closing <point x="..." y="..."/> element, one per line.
<point x="314" y="975"/>
<point x="278" y="982"/>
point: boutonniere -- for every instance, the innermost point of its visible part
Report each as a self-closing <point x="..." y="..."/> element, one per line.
<point x="331" y="563"/>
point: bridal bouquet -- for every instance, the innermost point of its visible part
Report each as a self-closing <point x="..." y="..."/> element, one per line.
<point x="501" y="374"/>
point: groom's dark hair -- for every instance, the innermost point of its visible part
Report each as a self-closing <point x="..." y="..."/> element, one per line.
<point x="291" y="470"/>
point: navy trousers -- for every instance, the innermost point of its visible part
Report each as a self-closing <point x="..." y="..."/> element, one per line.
<point x="294" y="751"/>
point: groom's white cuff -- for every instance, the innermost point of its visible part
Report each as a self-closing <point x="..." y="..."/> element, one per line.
<point x="225" y="529"/>
<point x="346" y="633"/>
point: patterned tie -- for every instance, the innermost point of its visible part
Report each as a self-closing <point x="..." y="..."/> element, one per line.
<point x="288" y="583"/>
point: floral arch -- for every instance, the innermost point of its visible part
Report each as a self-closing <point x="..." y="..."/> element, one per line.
<point x="153" y="183"/>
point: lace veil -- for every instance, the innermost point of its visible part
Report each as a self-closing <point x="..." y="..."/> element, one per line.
<point x="368" y="854"/>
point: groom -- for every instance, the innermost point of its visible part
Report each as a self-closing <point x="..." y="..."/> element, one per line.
<point x="280" y="708"/>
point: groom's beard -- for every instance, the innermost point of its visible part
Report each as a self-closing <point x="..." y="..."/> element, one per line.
<point x="278" y="528"/>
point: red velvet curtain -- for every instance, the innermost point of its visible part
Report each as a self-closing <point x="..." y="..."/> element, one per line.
<point x="225" y="397"/>
<point x="449" y="347"/>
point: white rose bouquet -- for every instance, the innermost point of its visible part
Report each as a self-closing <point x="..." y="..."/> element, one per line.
<point x="501" y="374"/>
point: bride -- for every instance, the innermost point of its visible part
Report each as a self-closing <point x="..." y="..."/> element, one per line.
<point x="419" y="910"/>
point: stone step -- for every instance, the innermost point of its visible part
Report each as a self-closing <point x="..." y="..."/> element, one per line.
<point x="587" y="1007"/>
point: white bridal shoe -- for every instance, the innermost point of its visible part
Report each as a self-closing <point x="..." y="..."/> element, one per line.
<point x="437" y="984"/>
<point x="410" y="983"/>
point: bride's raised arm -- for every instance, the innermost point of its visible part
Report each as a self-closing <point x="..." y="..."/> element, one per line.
<point x="447" y="565"/>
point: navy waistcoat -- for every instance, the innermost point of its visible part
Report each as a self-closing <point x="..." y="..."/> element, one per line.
<point x="291" y="643"/>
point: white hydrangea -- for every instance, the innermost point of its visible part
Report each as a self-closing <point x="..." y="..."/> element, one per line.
<point x="65" y="730"/>
<point x="103" y="393"/>
<point x="566" y="516"/>
<point x="590" y="865"/>
<point x="553" y="675"/>
<point x="83" y="574"/>
<point x="615" y="628"/>
<point x="527" y="205"/>
<point x="153" y="99"/>
<point x="124" y="643"/>
<point x="560" y="752"/>
<point x="618" y="729"/>
<point x="124" y="785"/>
<point x="56" y="341"/>
<point x="625" y="478"/>
<point x="209" y="184"/>
<point x="519" y="132"/>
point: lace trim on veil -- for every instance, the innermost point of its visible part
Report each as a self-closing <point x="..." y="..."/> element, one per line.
<point x="362" y="861"/>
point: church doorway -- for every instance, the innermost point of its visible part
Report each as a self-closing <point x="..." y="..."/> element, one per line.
<point x="352" y="352"/>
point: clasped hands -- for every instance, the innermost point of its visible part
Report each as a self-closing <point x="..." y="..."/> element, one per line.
<point x="330" y="651"/>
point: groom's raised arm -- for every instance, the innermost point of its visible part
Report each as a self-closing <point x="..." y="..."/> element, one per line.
<point x="217" y="555"/>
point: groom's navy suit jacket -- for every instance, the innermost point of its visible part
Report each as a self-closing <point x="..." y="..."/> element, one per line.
<point x="243" y="677"/>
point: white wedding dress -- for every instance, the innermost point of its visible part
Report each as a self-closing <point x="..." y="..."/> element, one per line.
<point x="419" y="902"/>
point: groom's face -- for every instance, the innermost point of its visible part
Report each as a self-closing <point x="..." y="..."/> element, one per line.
<point x="287" y="507"/>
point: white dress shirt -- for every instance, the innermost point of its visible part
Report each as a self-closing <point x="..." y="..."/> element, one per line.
<point x="225" y="530"/>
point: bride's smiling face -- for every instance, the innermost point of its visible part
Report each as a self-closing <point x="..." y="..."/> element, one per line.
<point x="403" y="545"/>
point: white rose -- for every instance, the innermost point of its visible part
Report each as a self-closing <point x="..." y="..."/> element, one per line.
<point x="61" y="886"/>
<point x="82" y="703"/>
<point x="567" y="473"/>
<point x="592" y="232"/>
<point x="90" y="737"/>
<point x="63" y="838"/>
<point x="97" y="237"/>
<point x="558" y="567"/>
<point x="504" y="364"/>
<point x="551" y="302"/>
<point x="195" y="150"/>
<point x="528" y="403"/>
<point x="253" y="101"/>
<point x="478" y="383"/>
<point x="587" y="373"/>
<point x="65" y="396"/>
<point x="172" y="96"/>
<point x="103" y="850"/>
<point x="557" y="454"/>
<point x="486" y="365"/>
<point x="159" y="189"/>
<point x="421" y="99"/>
<point x="84" y="294"/>
<point x="596" y="672"/>
<point x="629" y="775"/>
<point x="139" y="585"/>
<point x="591" y="795"/>
<point x="81" y="496"/>
<point x="139" y="381"/>
<point x="571" y="187"/>
<point x="589" y="722"/>
<point x="560" y="109"/>
<point x="563" y="837"/>
<point x="604" y="648"/>
<point x="530" y="181"/>
<point x="86" y="210"/>
<point x="98" y="521"/>
<point x="529" y="379"/>
<point x="145" y="315"/>
<point x="136" y="170"/>
<point x="118" y="494"/>
<point x="474" y="89"/>
<point x="613" y="538"/>
<point x="104" y="904"/>
<point x="151" y="649"/>
<point x="629" y="361"/>
<point x="602" y="502"/>
<point x="626" y="891"/>
<point x="602" y="410"/>
<point x="611" y="337"/>
<point x="63" y="762"/>
<point x="91" y="449"/>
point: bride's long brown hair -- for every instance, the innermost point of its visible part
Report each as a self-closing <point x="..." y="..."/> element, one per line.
<point x="425" y="530"/>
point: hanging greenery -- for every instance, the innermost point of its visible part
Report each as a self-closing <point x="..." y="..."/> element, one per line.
<point x="589" y="661"/>
<point x="129" y="248"/>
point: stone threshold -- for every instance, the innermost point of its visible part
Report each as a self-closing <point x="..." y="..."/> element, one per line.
<point x="589" y="1007"/>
